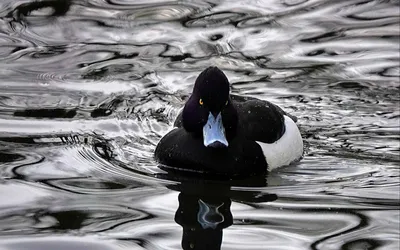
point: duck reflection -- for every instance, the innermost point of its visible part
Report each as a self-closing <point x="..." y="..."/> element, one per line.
<point x="203" y="216"/>
<point x="205" y="209"/>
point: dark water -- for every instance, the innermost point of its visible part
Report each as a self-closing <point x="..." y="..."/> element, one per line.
<point x="89" y="87"/>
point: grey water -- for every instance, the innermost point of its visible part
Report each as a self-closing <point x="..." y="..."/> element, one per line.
<point x="88" y="88"/>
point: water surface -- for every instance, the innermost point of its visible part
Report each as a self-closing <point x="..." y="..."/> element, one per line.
<point x="88" y="88"/>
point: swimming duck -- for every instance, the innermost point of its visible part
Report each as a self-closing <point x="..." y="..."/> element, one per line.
<point x="220" y="133"/>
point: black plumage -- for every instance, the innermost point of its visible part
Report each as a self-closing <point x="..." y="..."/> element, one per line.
<point x="245" y="120"/>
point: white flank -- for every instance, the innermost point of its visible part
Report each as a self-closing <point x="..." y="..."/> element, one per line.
<point x="287" y="149"/>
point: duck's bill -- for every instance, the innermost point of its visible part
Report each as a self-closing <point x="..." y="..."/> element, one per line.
<point x="214" y="132"/>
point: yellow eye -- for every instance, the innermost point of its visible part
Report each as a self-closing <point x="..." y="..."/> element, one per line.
<point x="226" y="104"/>
<point x="201" y="101"/>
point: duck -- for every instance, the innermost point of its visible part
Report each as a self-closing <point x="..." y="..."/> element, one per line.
<point x="219" y="133"/>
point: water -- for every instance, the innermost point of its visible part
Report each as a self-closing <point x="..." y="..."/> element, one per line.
<point x="89" y="87"/>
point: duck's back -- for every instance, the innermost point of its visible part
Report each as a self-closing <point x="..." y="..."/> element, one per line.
<point x="259" y="120"/>
<point x="273" y="129"/>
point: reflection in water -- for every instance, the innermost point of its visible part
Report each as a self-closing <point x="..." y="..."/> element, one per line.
<point x="203" y="218"/>
<point x="64" y="220"/>
<point x="205" y="209"/>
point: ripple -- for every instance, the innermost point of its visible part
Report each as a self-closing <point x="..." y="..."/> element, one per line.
<point x="255" y="21"/>
<point x="60" y="242"/>
<point x="160" y="13"/>
<point x="215" y="19"/>
<point x="19" y="194"/>
<point x="370" y="235"/>
<point x="87" y="218"/>
<point x="15" y="159"/>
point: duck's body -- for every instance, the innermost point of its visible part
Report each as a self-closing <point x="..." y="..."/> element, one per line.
<point x="233" y="135"/>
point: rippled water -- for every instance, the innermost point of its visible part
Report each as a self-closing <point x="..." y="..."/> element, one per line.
<point x="89" y="87"/>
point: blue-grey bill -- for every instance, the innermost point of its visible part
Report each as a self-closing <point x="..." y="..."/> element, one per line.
<point x="214" y="131"/>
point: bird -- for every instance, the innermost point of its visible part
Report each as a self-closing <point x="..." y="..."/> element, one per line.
<point x="218" y="133"/>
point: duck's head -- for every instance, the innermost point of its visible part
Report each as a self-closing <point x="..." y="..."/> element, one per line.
<point x="209" y="112"/>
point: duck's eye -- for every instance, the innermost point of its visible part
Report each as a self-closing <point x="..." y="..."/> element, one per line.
<point x="201" y="101"/>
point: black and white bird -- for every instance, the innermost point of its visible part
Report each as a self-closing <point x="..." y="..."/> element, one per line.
<point x="219" y="133"/>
